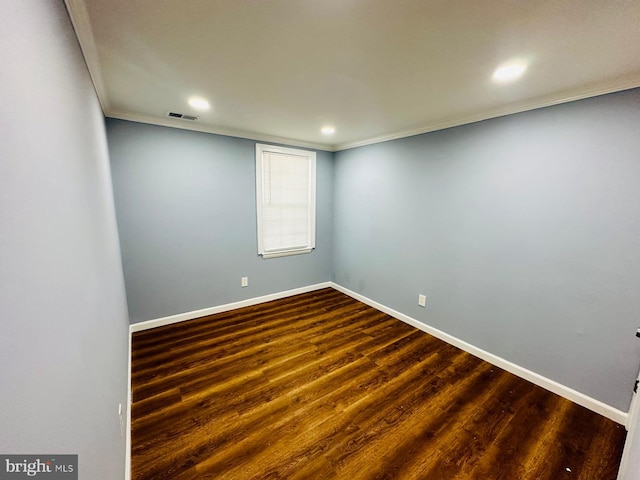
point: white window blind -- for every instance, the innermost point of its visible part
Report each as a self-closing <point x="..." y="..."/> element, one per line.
<point x="285" y="192"/>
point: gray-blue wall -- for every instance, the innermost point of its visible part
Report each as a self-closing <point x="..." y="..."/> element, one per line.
<point x="523" y="232"/>
<point x="186" y="209"/>
<point x="63" y="315"/>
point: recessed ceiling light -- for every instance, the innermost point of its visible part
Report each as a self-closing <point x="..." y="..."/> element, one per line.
<point x="328" y="130"/>
<point x="199" y="103"/>
<point x="509" y="72"/>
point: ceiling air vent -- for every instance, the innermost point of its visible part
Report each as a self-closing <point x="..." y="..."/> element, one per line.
<point x="181" y="115"/>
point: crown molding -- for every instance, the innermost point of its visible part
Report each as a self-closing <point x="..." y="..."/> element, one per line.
<point x="189" y="125"/>
<point x="603" y="88"/>
<point x="622" y="83"/>
<point x="79" y="16"/>
<point x="81" y="23"/>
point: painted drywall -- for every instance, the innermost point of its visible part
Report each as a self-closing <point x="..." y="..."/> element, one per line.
<point x="63" y="346"/>
<point x="521" y="231"/>
<point x="186" y="211"/>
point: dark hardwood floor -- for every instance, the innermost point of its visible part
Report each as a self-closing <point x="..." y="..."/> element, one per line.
<point x="320" y="386"/>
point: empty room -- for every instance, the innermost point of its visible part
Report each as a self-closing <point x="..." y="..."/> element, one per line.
<point x="320" y="240"/>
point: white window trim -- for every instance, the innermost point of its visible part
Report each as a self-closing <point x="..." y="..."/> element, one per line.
<point x="311" y="156"/>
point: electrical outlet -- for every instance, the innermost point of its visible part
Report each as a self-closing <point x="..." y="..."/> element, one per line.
<point x="121" y="419"/>
<point x="244" y="281"/>
<point x="422" y="300"/>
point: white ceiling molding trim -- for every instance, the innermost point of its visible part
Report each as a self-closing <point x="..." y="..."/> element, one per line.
<point x="618" y="85"/>
<point x="82" y="26"/>
<point x="140" y="71"/>
<point x="188" y="125"/>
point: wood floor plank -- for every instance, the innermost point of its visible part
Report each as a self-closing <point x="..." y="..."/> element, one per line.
<point x="459" y="447"/>
<point x="176" y="357"/>
<point x="321" y="386"/>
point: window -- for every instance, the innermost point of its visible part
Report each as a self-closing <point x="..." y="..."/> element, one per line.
<point x="286" y="200"/>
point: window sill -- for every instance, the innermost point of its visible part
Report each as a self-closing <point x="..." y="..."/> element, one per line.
<point x="285" y="253"/>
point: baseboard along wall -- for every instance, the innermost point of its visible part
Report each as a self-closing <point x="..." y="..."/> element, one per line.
<point x="537" y="379"/>
<point x="181" y="317"/>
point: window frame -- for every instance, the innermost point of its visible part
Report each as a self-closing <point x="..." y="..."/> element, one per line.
<point x="310" y="155"/>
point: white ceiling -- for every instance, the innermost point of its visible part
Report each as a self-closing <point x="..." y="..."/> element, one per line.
<point x="279" y="70"/>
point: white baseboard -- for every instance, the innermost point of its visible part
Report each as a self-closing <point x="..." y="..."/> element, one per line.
<point x="181" y="317"/>
<point x="544" y="382"/>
